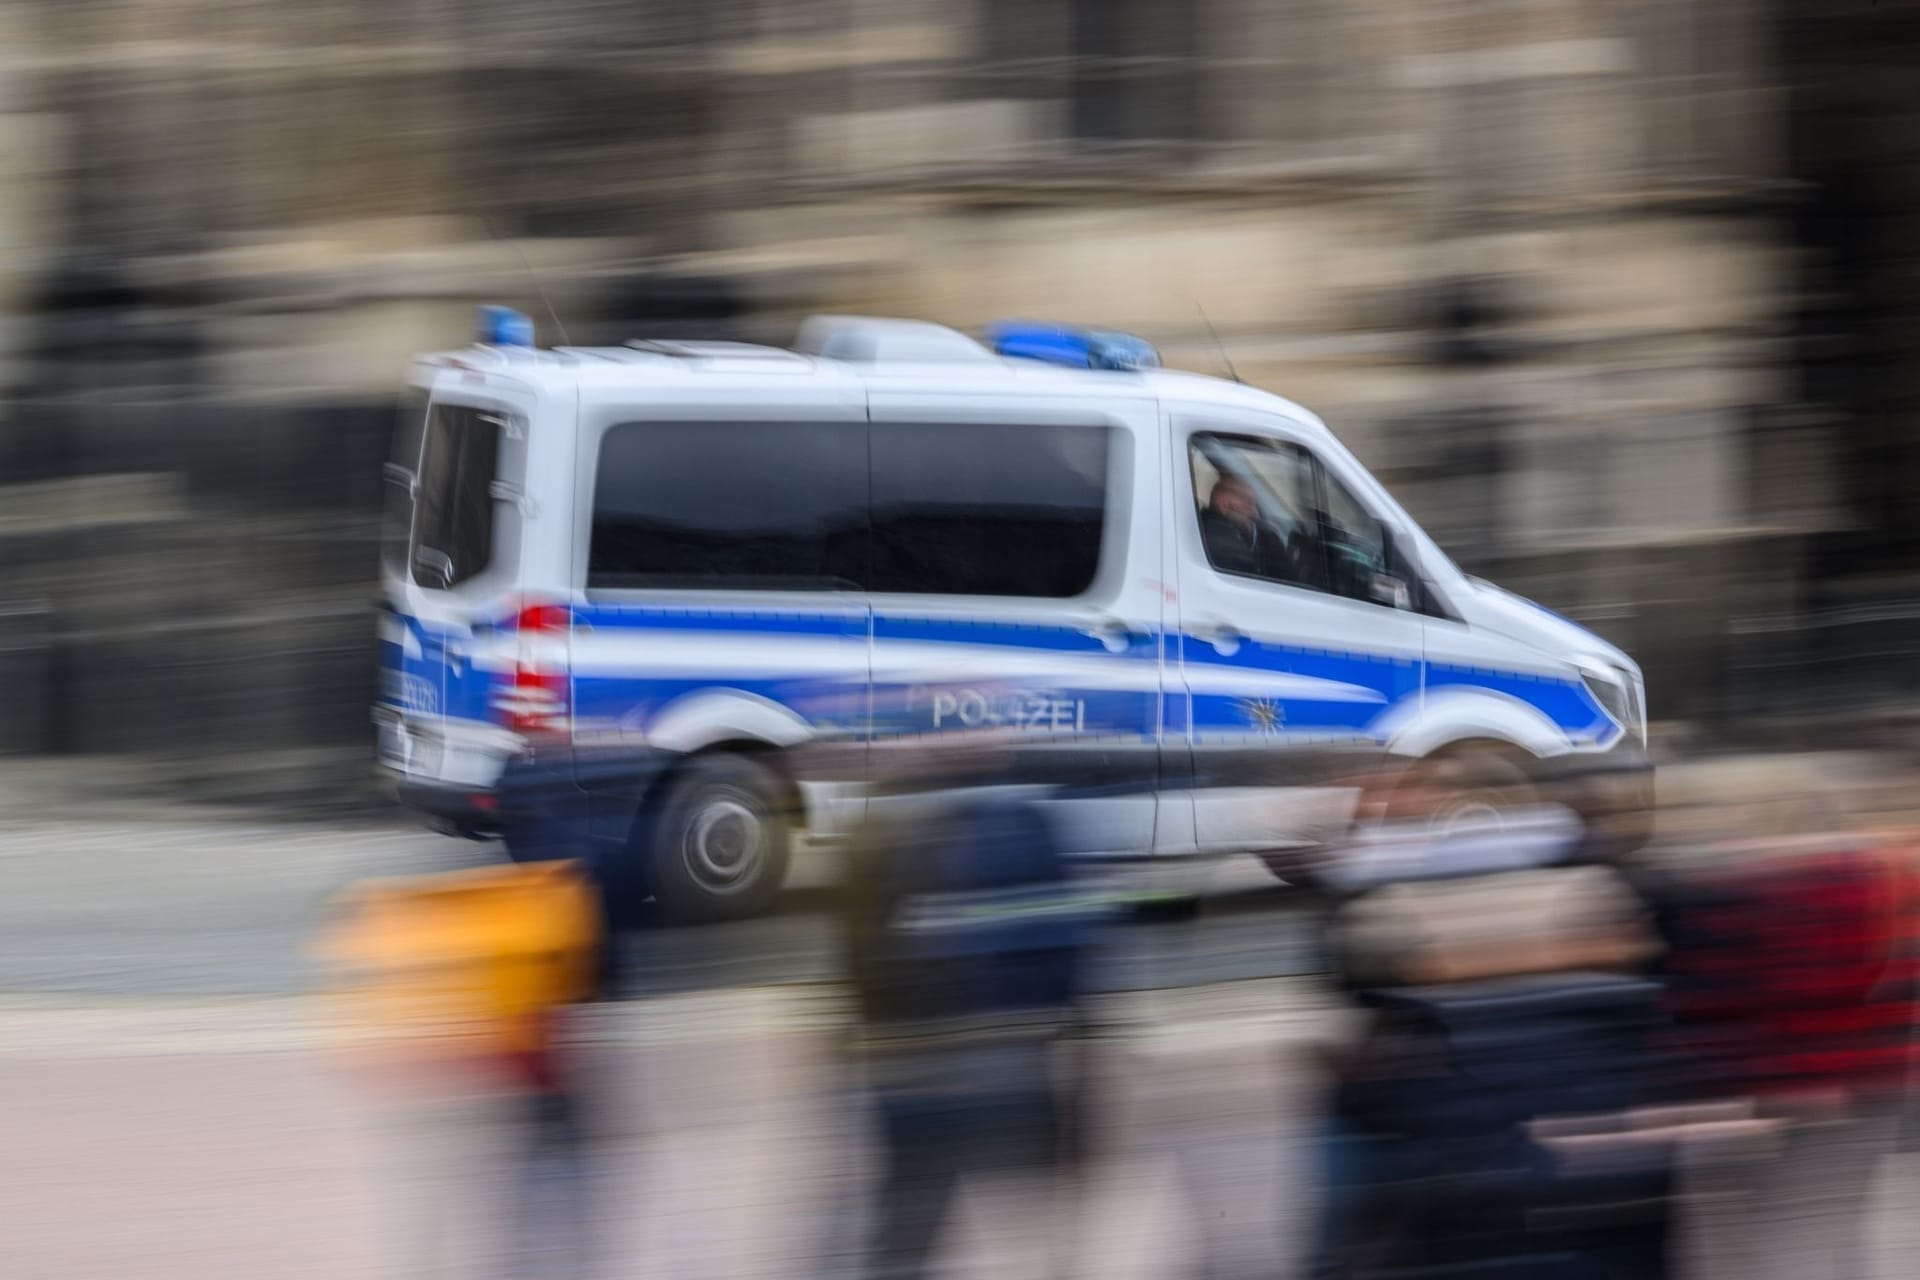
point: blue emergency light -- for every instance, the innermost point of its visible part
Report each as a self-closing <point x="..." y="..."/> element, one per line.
<point x="503" y="327"/>
<point x="1074" y="348"/>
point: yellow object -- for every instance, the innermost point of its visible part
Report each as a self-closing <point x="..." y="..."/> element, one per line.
<point x="463" y="965"/>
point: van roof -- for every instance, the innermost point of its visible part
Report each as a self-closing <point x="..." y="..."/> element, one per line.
<point x="905" y="355"/>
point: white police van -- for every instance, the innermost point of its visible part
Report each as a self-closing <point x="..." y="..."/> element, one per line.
<point x="717" y="550"/>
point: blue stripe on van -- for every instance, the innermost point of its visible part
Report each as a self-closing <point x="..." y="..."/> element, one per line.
<point x="1567" y="703"/>
<point x="1392" y="678"/>
<point x="1016" y="635"/>
<point x="636" y="699"/>
<point x="622" y="617"/>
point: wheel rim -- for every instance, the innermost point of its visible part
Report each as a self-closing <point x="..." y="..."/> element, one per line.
<point x="725" y="843"/>
<point x="1471" y="814"/>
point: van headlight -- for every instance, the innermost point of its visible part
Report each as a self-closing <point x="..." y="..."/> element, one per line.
<point x="1614" y="691"/>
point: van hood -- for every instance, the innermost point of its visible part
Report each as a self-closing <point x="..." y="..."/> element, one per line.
<point x="1516" y="618"/>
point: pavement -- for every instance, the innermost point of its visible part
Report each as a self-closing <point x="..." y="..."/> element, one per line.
<point x="203" y="1143"/>
<point x="730" y="1144"/>
<point x="189" y="1112"/>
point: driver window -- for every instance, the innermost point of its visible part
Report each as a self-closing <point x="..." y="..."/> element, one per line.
<point x="1255" y="505"/>
<point x="1268" y="510"/>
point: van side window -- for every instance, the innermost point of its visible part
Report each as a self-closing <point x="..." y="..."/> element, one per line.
<point x="453" y="515"/>
<point x="740" y="505"/>
<point x="1270" y="510"/>
<point x="1256" y="502"/>
<point x="988" y="509"/>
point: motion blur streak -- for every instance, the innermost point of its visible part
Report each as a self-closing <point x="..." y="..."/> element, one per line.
<point x="1619" y="300"/>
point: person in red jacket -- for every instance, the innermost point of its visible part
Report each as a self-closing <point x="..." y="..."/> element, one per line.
<point x="1792" y="982"/>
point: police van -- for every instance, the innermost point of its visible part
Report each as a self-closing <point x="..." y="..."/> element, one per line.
<point x="709" y="552"/>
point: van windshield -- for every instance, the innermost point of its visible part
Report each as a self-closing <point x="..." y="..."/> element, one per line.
<point x="453" y="507"/>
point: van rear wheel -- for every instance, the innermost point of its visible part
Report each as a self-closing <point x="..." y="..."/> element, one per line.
<point x="720" y="846"/>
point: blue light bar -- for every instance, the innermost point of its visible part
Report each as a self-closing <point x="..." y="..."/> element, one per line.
<point x="503" y="327"/>
<point x="1074" y="348"/>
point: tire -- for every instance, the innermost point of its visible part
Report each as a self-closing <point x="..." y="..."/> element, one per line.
<point x="1470" y="782"/>
<point x="718" y="849"/>
<point x="1484" y="780"/>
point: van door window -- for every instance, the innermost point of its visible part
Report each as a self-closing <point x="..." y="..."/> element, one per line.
<point x="1268" y="509"/>
<point x="731" y="505"/>
<point x="1255" y="504"/>
<point x="988" y="509"/>
<point x="453" y="516"/>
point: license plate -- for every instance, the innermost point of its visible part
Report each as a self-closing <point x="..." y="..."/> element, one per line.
<point x="391" y="742"/>
<point x="409" y="750"/>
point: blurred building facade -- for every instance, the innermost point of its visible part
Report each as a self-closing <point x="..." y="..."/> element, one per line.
<point x="1614" y="293"/>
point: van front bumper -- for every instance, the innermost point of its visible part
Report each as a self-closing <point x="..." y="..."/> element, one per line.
<point x="1611" y="790"/>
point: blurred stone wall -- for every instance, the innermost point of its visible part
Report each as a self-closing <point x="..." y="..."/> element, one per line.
<point x="1527" y="256"/>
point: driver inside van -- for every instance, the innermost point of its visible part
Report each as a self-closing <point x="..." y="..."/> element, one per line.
<point x="1236" y="538"/>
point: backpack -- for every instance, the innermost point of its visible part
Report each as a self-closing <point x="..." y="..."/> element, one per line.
<point x="1789" y="969"/>
<point x="1547" y="920"/>
<point x="970" y="928"/>
<point x="467" y="967"/>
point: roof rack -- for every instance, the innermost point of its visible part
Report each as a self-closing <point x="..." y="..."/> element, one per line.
<point x="873" y="340"/>
<point x="703" y="350"/>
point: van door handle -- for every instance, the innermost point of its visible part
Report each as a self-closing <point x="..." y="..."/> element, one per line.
<point x="505" y="491"/>
<point x="1110" y="631"/>
<point x="1223" y="636"/>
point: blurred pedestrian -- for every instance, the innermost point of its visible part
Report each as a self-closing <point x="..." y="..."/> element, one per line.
<point x="469" y="981"/>
<point x="966" y="937"/>
<point x="1499" y="971"/>
<point x="1792" y="986"/>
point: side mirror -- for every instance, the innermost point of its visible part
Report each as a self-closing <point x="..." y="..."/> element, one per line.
<point x="438" y="563"/>
<point x="1386" y="589"/>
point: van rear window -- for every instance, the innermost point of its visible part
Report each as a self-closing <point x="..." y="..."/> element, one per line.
<point x="453" y="514"/>
<point x="396" y="525"/>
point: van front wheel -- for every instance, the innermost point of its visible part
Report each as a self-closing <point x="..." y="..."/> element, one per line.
<point x="1471" y="786"/>
<point x="721" y="843"/>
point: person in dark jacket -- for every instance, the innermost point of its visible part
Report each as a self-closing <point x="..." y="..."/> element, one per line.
<point x="1238" y="540"/>
<point x="1498" y="971"/>
<point x="965" y="937"/>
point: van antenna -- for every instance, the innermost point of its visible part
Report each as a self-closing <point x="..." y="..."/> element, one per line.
<point x="1218" y="345"/>
<point x="538" y="288"/>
